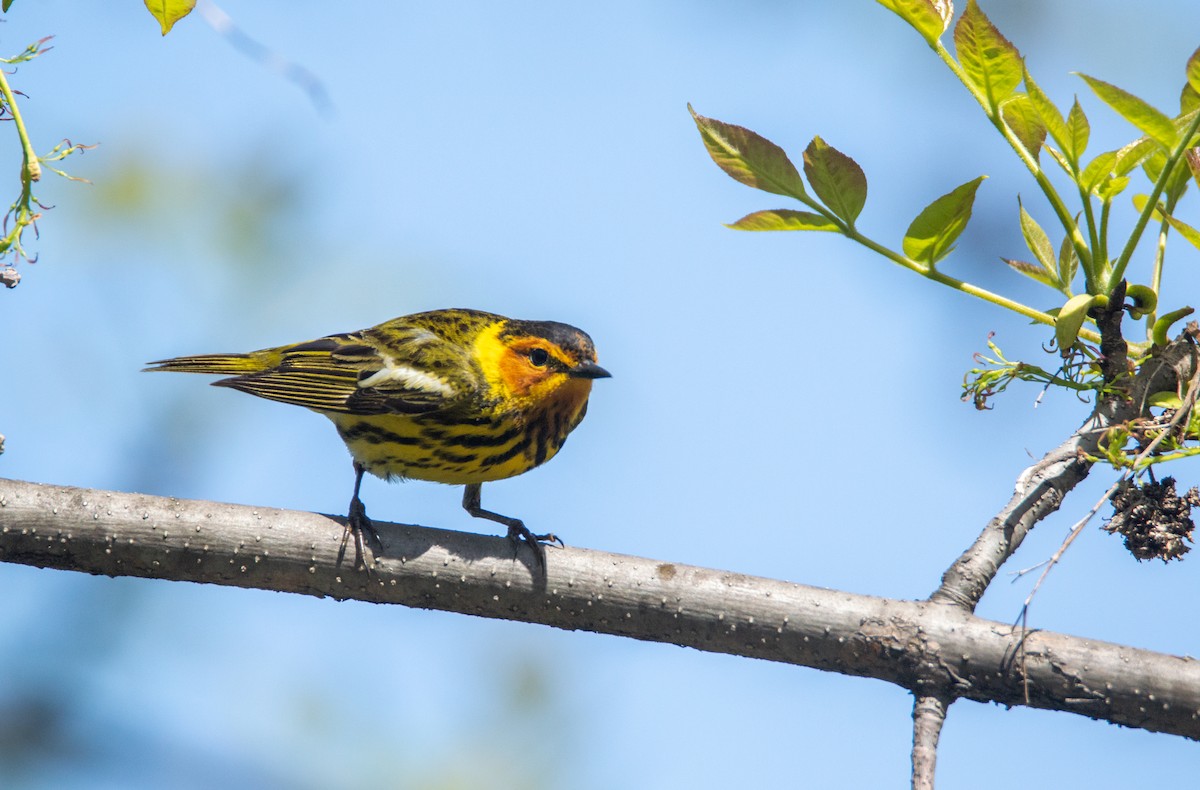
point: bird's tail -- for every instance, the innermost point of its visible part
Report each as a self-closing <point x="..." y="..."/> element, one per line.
<point x="213" y="363"/>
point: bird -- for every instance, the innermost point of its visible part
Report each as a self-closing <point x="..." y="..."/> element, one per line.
<point x="455" y="396"/>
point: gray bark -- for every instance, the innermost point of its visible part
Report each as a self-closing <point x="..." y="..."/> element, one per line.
<point x="929" y="714"/>
<point x="1041" y="488"/>
<point x="923" y="646"/>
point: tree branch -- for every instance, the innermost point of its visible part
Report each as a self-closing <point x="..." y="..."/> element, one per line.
<point x="1040" y="489"/>
<point x="929" y="714"/>
<point x="921" y="646"/>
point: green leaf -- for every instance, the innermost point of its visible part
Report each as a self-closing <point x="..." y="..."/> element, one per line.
<point x="1078" y="132"/>
<point x="748" y="157"/>
<point x="1070" y="319"/>
<point x="1185" y="230"/>
<point x="1193" y="71"/>
<point x="836" y="178"/>
<point x="1025" y="122"/>
<point x="1131" y="155"/>
<point x="1177" y="181"/>
<point x="1189" y="99"/>
<point x="1139" y="203"/>
<point x="1166" y="399"/>
<point x="1068" y="263"/>
<point x="1097" y="170"/>
<point x="932" y="234"/>
<point x="168" y="12"/>
<point x="1109" y="188"/>
<point x="924" y="16"/>
<point x="1051" y="118"/>
<point x="988" y="58"/>
<point x="783" y="219"/>
<point x="1154" y="164"/>
<point x="1151" y="121"/>
<point x="1062" y="160"/>
<point x="1035" y="272"/>
<point x="1119" y="163"/>
<point x="7" y="5"/>
<point x="1183" y="121"/>
<point x="1036" y="239"/>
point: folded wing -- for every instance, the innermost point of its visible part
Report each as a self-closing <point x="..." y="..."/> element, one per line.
<point x="400" y="371"/>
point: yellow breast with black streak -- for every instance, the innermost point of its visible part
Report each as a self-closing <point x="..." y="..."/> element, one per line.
<point x="518" y="416"/>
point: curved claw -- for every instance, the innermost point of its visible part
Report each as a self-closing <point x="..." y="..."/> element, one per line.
<point x="550" y="539"/>
<point x="518" y="533"/>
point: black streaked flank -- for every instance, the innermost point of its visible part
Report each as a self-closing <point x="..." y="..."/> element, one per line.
<point x="375" y="435"/>
<point x="453" y="458"/>
<point x="418" y="463"/>
<point x="508" y="454"/>
<point x="473" y="440"/>
<point x="454" y="420"/>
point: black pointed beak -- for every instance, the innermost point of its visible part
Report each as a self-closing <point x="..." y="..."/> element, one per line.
<point x="588" y="370"/>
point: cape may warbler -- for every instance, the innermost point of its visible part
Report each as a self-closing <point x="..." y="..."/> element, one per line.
<point x="453" y="396"/>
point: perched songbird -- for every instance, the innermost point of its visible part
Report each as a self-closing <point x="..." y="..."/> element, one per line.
<point x="453" y="396"/>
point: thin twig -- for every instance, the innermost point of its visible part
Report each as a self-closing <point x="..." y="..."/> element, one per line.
<point x="1189" y="402"/>
<point x="1040" y="489"/>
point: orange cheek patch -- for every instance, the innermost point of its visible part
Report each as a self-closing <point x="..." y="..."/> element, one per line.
<point x="518" y="375"/>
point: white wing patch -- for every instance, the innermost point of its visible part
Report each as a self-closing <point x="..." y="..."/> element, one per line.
<point x="407" y="377"/>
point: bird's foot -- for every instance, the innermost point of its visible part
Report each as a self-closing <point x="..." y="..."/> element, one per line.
<point x="360" y="526"/>
<point x="518" y="533"/>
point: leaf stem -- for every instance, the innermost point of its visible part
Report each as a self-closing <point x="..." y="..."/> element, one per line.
<point x="1089" y="215"/>
<point x="1160" y="255"/>
<point x="1105" y="212"/>
<point x="31" y="169"/>
<point x="957" y="284"/>
<point x="1148" y="210"/>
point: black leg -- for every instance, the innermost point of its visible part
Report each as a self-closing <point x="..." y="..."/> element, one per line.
<point x="518" y="533"/>
<point x="357" y="523"/>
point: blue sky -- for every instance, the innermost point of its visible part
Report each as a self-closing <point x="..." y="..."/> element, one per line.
<point x="783" y="405"/>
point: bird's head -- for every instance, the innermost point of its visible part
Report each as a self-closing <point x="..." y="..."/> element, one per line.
<point x="534" y="362"/>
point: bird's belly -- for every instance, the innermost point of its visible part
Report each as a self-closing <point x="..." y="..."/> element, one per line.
<point x="445" y="450"/>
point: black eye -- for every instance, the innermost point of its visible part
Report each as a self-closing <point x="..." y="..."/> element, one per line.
<point x="539" y="357"/>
